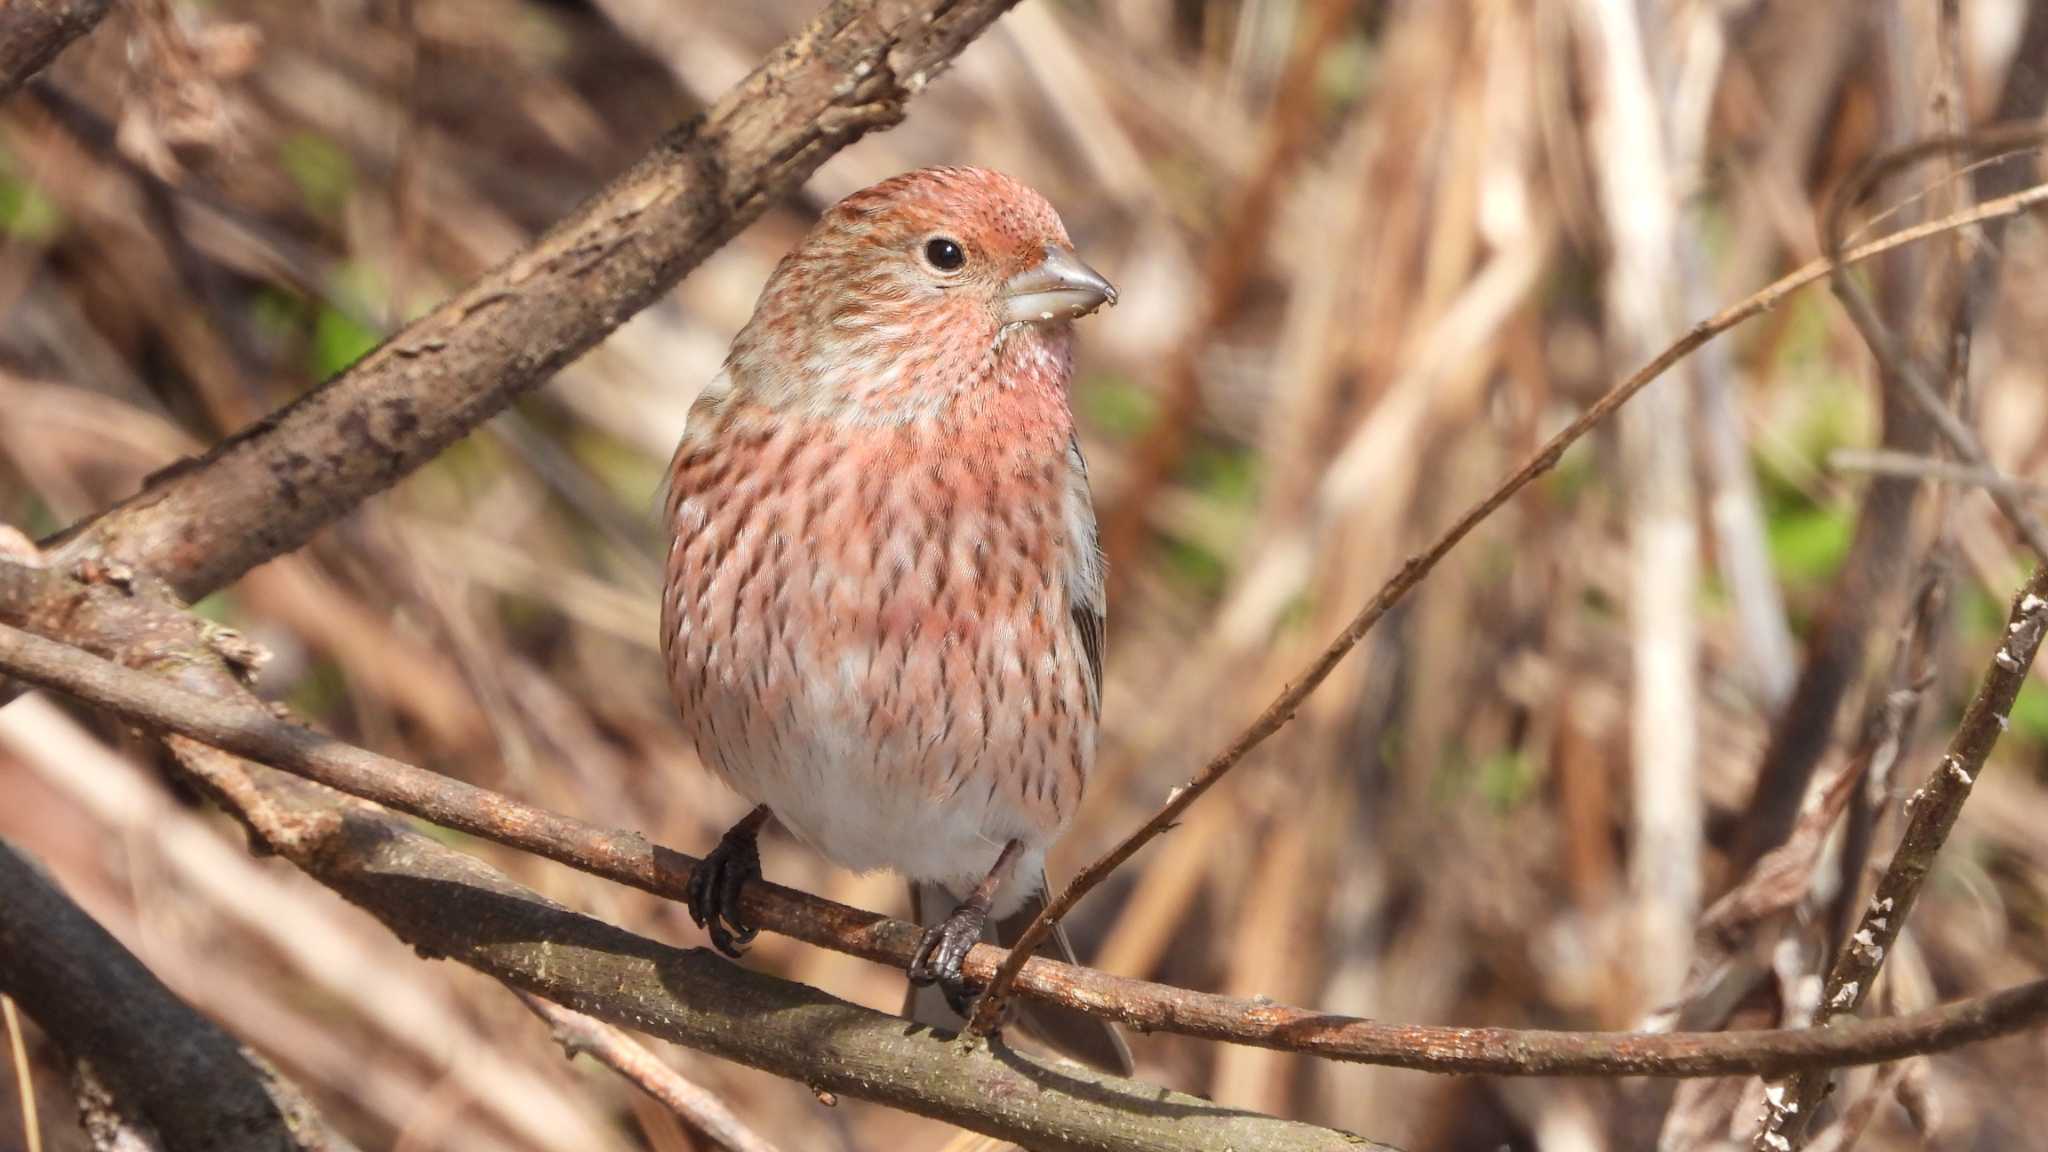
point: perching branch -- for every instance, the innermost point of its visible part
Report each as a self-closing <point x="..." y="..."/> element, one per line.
<point x="266" y="490"/>
<point x="1931" y="810"/>
<point x="1418" y="566"/>
<point x="250" y="730"/>
<point x="445" y="903"/>
<point x="162" y="1062"/>
<point x="448" y="904"/>
<point x="32" y="32"/>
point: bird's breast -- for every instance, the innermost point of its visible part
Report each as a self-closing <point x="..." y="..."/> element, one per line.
<point x="868" y="629"/>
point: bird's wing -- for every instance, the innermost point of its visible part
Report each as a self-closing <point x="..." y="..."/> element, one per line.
<point x="1084" y="569"/>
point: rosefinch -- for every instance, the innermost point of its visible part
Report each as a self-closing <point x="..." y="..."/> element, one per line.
<point x="883" y="616"/>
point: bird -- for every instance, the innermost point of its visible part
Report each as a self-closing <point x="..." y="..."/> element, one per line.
<point x="883" y="604"/>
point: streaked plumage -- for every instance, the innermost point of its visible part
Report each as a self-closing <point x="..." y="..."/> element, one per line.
<point x="883" y="610"/>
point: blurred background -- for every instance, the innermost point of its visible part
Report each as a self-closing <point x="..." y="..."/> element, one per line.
<point x="1370" y="254"/>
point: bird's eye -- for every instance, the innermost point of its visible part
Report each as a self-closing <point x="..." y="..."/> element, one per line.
<point x="944" y="254"/>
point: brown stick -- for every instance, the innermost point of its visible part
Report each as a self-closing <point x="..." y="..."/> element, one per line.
<point x="193" y="1083"/>
<point x="32" y="32"/>
<point x="579" y="1034"/>
<point x="1418" y="566"/>
<point x="251" y="731"/>
<point x="266" y="490"/>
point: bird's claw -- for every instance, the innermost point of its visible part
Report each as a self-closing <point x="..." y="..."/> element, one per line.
<point x="713" y="894"/>
<point x="943" y="950"/>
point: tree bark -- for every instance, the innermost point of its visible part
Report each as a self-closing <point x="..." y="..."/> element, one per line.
<point x="32" y="32"/>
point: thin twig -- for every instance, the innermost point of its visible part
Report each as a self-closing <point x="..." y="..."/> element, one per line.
<point x="1418" y="566"/>
<point x="579" y="1034"/>
<point x="1931" y="811"/>
<point x="253" y="732"/>
<point x="1882" y="463"/>
<point x="1899" y="363"/>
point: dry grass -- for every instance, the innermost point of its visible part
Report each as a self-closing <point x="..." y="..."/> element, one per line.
<point x="1435" y="254"/>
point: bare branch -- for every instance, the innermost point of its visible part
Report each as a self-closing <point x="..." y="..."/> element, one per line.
<point x="266" y="490"/>
<point x="1418" y="566"/>
<point x="193" y="1083"/>
<point x="249" y="730"/>
<point x="33" y="32"/>
<point x="580" y="1035"/>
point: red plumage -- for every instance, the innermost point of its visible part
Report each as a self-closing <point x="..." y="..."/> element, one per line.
<point x="883" y="609"/>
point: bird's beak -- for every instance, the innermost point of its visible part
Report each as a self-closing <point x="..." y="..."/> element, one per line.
<point x="1060" y="287"/>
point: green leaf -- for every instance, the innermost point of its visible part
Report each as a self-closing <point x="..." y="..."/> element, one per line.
<point x="339" y="340"/>
<point x="2029" y="716"/>
<point x="1808" y="544"/>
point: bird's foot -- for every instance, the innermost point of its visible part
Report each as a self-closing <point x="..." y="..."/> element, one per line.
<point x="944" y="949"/>
<point x="713" y="894"/>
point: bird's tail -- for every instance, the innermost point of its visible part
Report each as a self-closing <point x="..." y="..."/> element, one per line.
<point x="1083" y="1037"/>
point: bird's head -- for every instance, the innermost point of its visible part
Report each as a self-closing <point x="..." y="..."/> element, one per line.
<point x="914" y="292"/>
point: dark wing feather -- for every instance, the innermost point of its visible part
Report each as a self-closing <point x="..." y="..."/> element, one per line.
<point x="1089" y="623"/>
<point x="1084" y="569"/>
